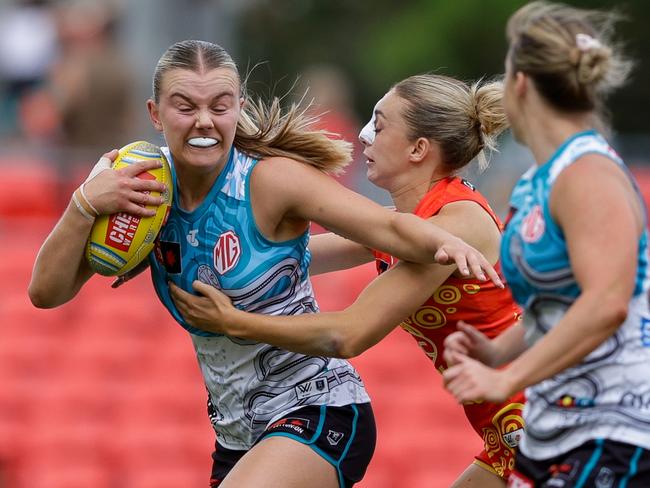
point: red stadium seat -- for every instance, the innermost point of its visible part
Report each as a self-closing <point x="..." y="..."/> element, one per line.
<point x="167" y="477"/>
<point x="29" y="188"/>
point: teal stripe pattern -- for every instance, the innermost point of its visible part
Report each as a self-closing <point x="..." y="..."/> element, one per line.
<point x="591" y="464"/>
<point x="347" y="447"/>
<point x="633" y="467"/>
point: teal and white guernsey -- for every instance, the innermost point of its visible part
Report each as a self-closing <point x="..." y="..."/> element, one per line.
<point x="607" y="395"/>
<point x="250" y="384"/>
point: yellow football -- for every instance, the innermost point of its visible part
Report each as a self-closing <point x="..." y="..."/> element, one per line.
<point x="120" y="241"/>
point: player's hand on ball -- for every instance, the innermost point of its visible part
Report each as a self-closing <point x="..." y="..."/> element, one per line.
<point x="111" y="191"/>
<point x="129" y="275"/>
<point x="208" y="311"/>
<point x="128" y="205"/>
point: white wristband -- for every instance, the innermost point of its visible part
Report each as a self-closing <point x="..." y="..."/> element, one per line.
<point x="83" y="194"/>
<point x="81" y="209"/>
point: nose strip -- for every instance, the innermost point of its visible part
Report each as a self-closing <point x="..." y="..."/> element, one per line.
<point x="367" y="134"/>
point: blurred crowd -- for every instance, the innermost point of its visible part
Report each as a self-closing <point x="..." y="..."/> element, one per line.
<point x="68" y="94"/>
<point x="74" y="80"/>
<point x="63" y="83"/>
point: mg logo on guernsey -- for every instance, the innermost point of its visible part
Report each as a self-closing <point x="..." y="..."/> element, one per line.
<point x="227" y="252"/>
<point x="533" y="225"/>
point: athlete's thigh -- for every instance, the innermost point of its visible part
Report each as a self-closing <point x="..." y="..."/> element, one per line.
<point x="281" y="462"/>
<point x="477" y="477"/>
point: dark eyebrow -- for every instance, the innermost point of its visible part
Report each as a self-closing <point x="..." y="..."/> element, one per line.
<point x="380" y="113"/>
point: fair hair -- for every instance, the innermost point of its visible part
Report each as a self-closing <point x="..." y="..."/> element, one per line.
<point x="462" y="119"/>
<point x="263" y="130"/>
<point x="570" y="75"/>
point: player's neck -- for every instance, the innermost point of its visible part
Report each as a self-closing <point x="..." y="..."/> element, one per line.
<point x="547" y="128"/>
<point x="407" y="198"/>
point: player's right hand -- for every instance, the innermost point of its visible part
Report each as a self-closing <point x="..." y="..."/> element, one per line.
<point x="467" y="341"/>
<point x="111" y="191"/>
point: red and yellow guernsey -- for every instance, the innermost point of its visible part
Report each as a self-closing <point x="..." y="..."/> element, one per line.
<point x="479" y="303"/>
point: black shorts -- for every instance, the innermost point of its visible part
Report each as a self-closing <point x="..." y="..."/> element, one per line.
<point x="343" y="436"/>
<point x="601" y="463"/>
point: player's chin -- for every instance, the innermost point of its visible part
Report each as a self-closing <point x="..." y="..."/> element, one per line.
<point x="375" y="178"/>
<point x="202" y="156"/>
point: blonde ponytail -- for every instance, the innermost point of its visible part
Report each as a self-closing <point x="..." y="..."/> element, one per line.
<point x="264" y="131"/>
<point x="491" y="118"/>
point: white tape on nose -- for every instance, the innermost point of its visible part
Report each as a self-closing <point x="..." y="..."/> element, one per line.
<point x="367" y="134"/>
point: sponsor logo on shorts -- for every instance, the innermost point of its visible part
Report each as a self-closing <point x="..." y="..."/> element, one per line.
<point x="296" y="424"/>
<point x="518" y="480"/>
<point x="334" y="437"/>
<point x="312" y="387"/>
<point x="556" y="483"/>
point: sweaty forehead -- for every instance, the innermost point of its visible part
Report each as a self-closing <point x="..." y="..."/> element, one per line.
<point x="200" y="85"/>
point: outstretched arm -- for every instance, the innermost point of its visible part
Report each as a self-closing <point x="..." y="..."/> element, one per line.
<point x="595" y="206"/>
<point x="304" y="193"/>
<point x="331" y="252"/>
<point x="382" y="305"/>
<point x="387" y="301"/>
<point x="60" y="269"/>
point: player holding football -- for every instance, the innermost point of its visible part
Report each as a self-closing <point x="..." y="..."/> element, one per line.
<point x="248" y="180"/>
<point x="575" y="253"/>
<point x="424" y="131"/>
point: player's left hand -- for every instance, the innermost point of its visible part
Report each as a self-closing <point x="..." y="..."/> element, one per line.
<point x="129" y="275"/>
<point x="469" y="261"/>
<point x="207" y="311"/>
<point x="470" y="380"/>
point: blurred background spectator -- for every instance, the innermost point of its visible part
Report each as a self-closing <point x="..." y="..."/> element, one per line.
<point x="28" y="48"/>
<point x="86" y="100"/>
<point x="329" y="88"/>
<point x="105" y="391"/>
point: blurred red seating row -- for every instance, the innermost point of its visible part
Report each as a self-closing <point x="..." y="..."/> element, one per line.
<point x="29" y="188"/>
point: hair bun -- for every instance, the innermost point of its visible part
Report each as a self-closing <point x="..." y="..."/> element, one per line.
<point x="593" y="65"/>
